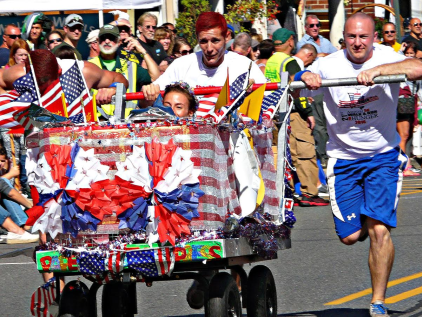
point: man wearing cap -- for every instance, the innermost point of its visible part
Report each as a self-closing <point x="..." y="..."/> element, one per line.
<point x="73" y="27"/>
<point x="302" y="143"/>
<point x="33" y="31"/>
<point x="147" y="23"/>
<point x="94" y="46"/>
<point x="10" y="35"/>
<point x="312" y="27"/>
<point x="281" y="60"/>
<point x="128" y="65"/>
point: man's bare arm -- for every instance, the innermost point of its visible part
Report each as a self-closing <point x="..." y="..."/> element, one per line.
<point x="101" y="79"/>
<point x="411" y="67"/>
<point x="10" y="75"/>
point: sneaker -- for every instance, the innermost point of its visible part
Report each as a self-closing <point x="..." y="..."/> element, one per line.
<point x="3" y="239"/>
<point x="378" y="309"/>
<point x="309" y="201"/>
<point x="323" y="190"/>
<point x="13" y="238"/>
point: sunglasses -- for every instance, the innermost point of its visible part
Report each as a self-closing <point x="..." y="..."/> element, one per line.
<point x="14" y="36"/>
<point x="315" y="25"/>
<point x="388" y="32"/>
<point x="124" y="29"/>
<point x="150" y="27"/>
<point x="417" y="24"/>
<point x="109" y="37"/>
<point x="186" y="52"/>
<point x="59" y="40"/>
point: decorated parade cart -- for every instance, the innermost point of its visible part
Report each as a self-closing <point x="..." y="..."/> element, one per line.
<point x="156" y="198"/>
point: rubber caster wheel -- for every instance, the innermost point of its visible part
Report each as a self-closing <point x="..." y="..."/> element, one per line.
<point x="116" y="301"/>
<point x="74" y="300"/>
<point x="262" y="293"/>
<point x="224" y="297"/>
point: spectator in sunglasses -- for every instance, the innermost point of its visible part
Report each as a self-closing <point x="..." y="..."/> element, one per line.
<point x="73" y="28"/>
<point x="165" y="37"/>
<point x="54" y="38"/>
<point x="10" y="35"/>
<point x="147" y="23"/>
<point x="18" y="53"/>
<point x="312" y="36"/>
<point x="415" y="35"/>
<point x="389" y="36"/>
<point x="181" y="47"/>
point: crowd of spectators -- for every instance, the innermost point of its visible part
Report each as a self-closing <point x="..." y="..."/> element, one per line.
<point x="144" y="53"/>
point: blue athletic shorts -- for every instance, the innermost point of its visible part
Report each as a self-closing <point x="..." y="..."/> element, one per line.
<point x="368" y="186"/>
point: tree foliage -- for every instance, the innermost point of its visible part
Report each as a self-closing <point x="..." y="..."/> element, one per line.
<point x="241" y="11"/>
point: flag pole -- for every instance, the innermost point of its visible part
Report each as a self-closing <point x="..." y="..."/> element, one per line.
<point x="86" y="87"/>
<point x="35" y="80"/>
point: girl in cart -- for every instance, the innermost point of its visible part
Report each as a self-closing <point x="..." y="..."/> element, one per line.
<point x="181" y="99"/>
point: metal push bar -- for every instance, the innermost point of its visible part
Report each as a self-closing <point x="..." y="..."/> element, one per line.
<point x="200" y="91"/>
<point x="350" y="81"/>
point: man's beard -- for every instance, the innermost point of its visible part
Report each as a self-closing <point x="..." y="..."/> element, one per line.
<point x="108" y="51"/>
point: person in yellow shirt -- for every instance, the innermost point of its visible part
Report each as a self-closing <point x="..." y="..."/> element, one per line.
<point x="389" y="36"/>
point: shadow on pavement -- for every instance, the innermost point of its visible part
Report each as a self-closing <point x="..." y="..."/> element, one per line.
<point x="336" y="312"/>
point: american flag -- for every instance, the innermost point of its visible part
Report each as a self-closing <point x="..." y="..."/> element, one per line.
<point x="17" y="100"/>
<point x="8" y="108"/>
<point x="90" y="263"/>
<point x="271" y="103"/>
<point x="75" y="93"/>
<point x="50" y="100"/>
<point x="151" y="262"/>
<point x="238" y="86"/>
<point x="114" y="262"/>
<point x="207" y="103"/>
<point x="42" y="298"/>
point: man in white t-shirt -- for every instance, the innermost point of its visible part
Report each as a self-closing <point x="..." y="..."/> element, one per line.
<point x="365" y="165"/>
<point x="207" y="67"/>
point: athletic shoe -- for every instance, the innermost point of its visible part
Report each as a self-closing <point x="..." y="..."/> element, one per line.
<point x="13" y="238"/>
<point x="295" y="201"/>
<point x="323" y="190"/>
<point x="310" y="201"/>
<point x="3" y="239"/>
<point x="378" y="309"/>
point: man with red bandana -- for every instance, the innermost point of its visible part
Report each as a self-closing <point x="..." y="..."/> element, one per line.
<point x="208" y="67"/>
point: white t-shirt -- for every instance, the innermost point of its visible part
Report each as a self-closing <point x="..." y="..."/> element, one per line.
<point x="65" y="64"/>
<point x="361" y="121"/>
<point x="192" y="70"/>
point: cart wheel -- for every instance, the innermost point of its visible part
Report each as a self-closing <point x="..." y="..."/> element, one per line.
<point x="224" y="297"/>
<point x="262" y="293"/>
<point x="115" y="301"/>
<point x="74" y="300"/>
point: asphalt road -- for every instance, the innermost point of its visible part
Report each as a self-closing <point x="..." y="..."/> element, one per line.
<point x="318" y="276"/>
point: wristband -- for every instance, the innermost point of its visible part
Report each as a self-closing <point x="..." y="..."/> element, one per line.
<point x="113" y="85"/>
<point x="299" y="74"/>
<point x="143" y="54"/>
